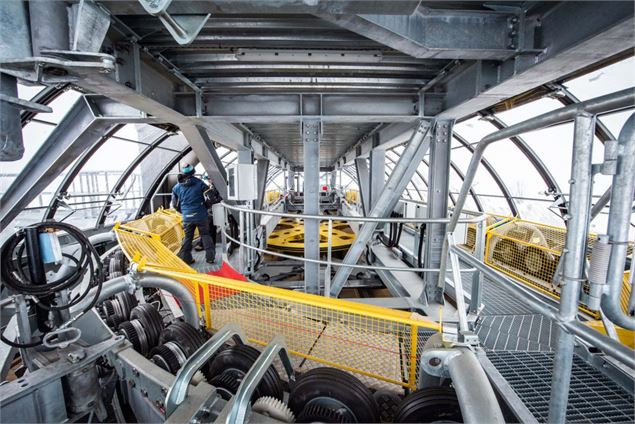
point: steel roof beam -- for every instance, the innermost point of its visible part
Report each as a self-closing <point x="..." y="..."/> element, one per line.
<point x="289" y="108"/>
<point x="440" y="34"/>
<point x="571" y="36"/>
<point x="271" y="6"/>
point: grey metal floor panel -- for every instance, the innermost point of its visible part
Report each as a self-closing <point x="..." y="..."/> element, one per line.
<point x="496" y="299"/>
<point x="593" y="397"/>
<point x="516" y="332"/>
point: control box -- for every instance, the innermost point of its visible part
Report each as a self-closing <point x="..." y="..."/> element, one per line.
<point x="241" y="182"/>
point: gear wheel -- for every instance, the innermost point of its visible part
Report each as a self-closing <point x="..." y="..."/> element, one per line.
<point x="198" y="377"/>
<point x="320" y="414"/>
<point x="227" y="383"/>
<point x="273" y="408"/>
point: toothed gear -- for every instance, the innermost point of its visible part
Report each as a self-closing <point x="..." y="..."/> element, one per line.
<point x="151" y="320"/>
<point x="198" y="377"/>
<point x="227" y="383"/>
<point x="273" y="408"/>
<point x="316" y="413"/>
<point x="130" y="333"/>
<point x="165" y="358"/>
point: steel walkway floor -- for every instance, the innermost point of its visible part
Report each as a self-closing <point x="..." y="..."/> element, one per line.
<point x="520" y="344"/>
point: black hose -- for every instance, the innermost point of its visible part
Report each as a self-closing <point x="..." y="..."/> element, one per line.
<point x="422" y="232"/>
<point x="16" y="279"/>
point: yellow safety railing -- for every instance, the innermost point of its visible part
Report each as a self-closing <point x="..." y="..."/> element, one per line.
<point x="372" y="341"/>
<point x="529" y="252"/>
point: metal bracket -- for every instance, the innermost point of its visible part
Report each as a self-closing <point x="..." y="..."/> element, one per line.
<point x="435" y="361"/>
<point x="178" y="391"/>
<point x="61" y="338"/>
<point x="58" y="66"/>
<point x="183" y="28"/>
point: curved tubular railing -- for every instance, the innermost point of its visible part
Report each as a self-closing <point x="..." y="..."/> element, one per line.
<point x="581" y="175"/>
<point x="478" y="218"/>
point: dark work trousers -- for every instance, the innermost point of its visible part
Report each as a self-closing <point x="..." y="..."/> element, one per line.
<point x="212" y="233"/>
<point x="203" y="231"/>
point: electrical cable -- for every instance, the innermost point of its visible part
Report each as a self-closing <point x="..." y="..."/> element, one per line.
<point x="15" y="278"/>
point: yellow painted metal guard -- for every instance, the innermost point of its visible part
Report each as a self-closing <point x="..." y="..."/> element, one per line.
<point x="372" y="341"/>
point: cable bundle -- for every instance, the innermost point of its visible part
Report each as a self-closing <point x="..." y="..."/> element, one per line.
<point x="15" y="275"/>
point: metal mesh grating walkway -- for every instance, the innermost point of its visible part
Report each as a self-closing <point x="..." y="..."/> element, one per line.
<point x="593" y="397"/>
<point x="516" y="332"/>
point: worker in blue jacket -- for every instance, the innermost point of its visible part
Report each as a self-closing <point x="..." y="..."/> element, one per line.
<point x="189" y="199"/>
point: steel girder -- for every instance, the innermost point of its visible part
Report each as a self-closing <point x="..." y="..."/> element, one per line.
<point x="390" y="195"/>
<point x="440" y="34"/>
<point x="80" y="129"/>
<point x="290" y="108"/>
<point x="569" y="37"/>
<point x="262" y="169"/>
<point x="272" y="6"/>
<point x="437" y="207"/>
<point x="363" y="181"/>
<point x="311" y="140"/>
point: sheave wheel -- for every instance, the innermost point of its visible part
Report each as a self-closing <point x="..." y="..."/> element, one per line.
<point x="330" y="395"/>
<point x="235" y="361"/>
<point x="433" y="404"/>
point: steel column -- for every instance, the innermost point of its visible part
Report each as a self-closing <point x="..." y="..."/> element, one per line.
<point x="438" y="189"/>
<point x="290" y="180"/>
<point x="363" y="180"/>
<point x="402" y="173"/>
<point x="574" y="261"/>
<point x="377" y="174"/>
<point x="311" y="143"/>
<point x="262" y="169"/>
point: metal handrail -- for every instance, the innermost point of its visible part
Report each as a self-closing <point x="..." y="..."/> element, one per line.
<point x="331" y="263"/>
<point x="236" y="409"/>
<point x="178" y="391"/>
<point x="481" y="217"/>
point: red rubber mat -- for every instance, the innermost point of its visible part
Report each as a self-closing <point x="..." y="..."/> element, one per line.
<point x="226" y="271"/>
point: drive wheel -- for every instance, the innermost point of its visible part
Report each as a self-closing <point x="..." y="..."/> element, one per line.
<point x="506" y="251"/>
<point x="330" y="395"/>
<point x="535" y="262"/>
<point x="234" y="362"/>
<point x="184" y="335"/>
<point x="151" y="320"/>
<point x="433" y="404"/>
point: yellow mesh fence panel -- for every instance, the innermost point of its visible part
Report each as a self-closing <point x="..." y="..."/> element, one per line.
<point x="529" y="252"/>
<point x="375" y="342"/>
